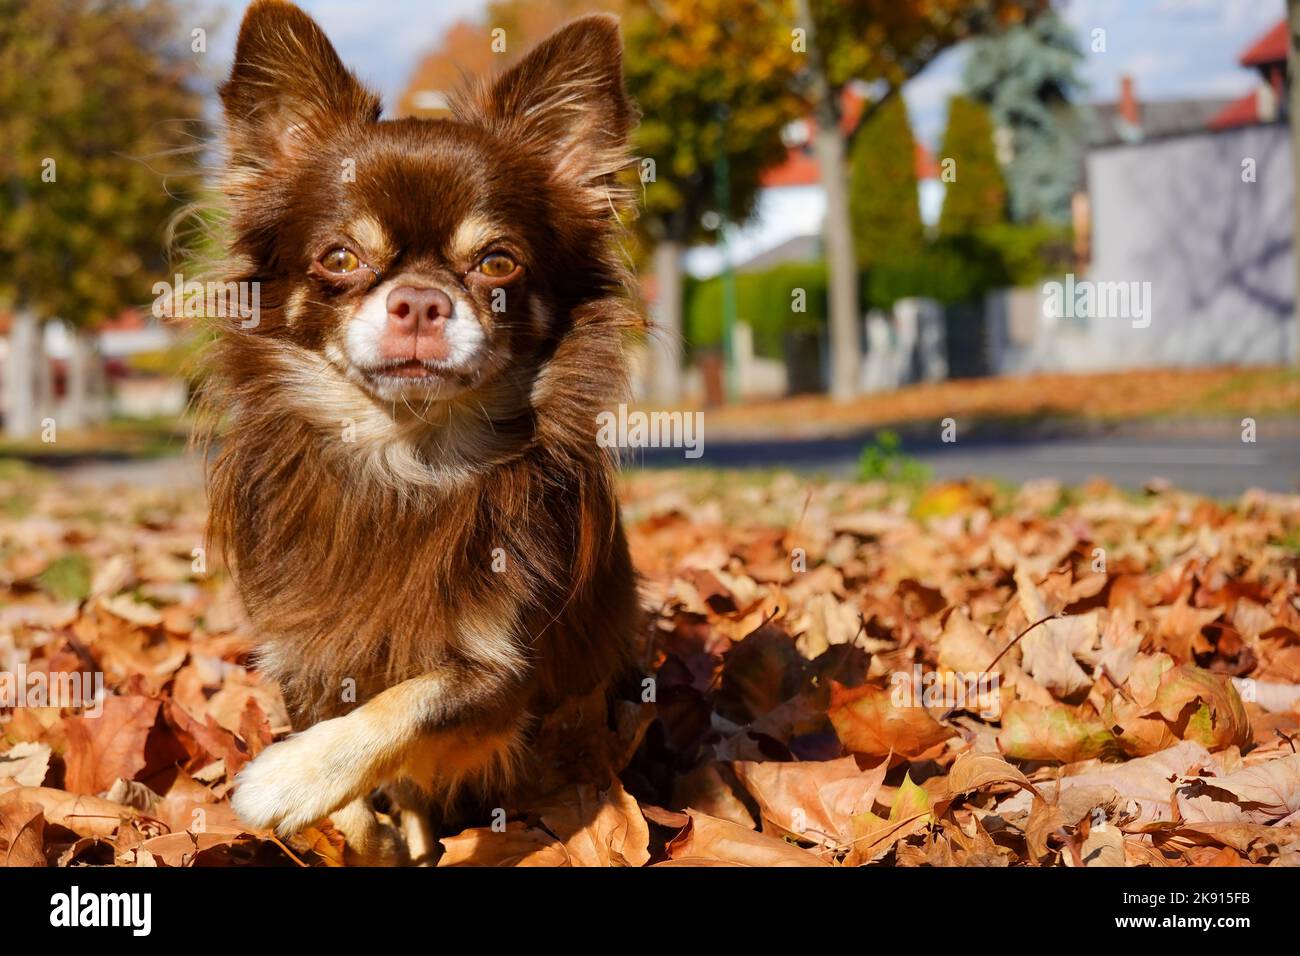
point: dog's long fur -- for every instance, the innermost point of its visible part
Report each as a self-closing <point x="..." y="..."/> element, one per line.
<point x="428" y="578"/>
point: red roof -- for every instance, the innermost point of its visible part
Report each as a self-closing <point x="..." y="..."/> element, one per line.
<point x="799" y="169"/>
<point x="130" y="320"/>
<point x="926" y="167"/>
<point x="850" y="110"/>
<point x="1270" y="48"/>
<point x="1242" y="112"/>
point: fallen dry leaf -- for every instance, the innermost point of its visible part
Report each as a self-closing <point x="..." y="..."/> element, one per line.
<point x="1264" y="793"/>
<point x="868" y="722"/>
<point x="101" y="749"/>
<point x="1056" y="732"/>
<point x="1153" y="723"/>
<point x="708" y="839"/>
<point x="26" y="763"/>
<point x="813" y="801"/>
<point x="22" y="833"/>
<point x="598" y="827"/>
<point x="516" y="845"/>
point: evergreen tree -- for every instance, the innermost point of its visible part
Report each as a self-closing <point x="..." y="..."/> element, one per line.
<point x="976" y="195"/>
<point x="883" y="203"/>
<point x="1028" y="77"/>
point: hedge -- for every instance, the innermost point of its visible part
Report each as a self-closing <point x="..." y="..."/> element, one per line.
<point x="952" y="269"/>
<point x="764" y="300"/>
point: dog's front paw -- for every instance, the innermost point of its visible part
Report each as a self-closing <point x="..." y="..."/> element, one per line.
<point x="296" y="782"/>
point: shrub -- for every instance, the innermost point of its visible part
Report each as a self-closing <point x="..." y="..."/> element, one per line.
<point x="885" y="460"/>
<point x="765" y="301"/>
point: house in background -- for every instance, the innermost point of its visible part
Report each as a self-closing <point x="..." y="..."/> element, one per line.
<point x="1265" y="103"/>
<point x="1189" y="205"/>
<point x="128" y="374"/>
<point x="1130" y="120"/>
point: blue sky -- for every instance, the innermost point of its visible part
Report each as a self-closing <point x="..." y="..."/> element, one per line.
<point x="1173" y="48"/>
<point x="381" y="40"/>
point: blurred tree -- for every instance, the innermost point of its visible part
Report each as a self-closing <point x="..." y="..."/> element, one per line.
<point x="1028" y="77"/>
<point x="93" y="99"/>
<point x="877" y="41"/>
<point x="713" y="80"/>
<point x="976" y="195"/>
<point x="884" y="203"/>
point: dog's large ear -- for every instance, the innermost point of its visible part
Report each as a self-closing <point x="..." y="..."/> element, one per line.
<point x="287" y="87"/>
<point x="564" y="100"/>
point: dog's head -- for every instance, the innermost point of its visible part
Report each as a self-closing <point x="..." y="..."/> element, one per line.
<point x="423" y="260"/>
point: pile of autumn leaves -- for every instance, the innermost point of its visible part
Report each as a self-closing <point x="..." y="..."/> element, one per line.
<point x="1145" y="711"/>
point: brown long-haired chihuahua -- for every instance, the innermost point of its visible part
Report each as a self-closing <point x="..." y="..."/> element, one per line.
<point x="409" y="490"/>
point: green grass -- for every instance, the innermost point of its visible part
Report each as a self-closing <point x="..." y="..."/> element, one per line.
<point x="1234" y="396"/>
<point x="68" y="577"/>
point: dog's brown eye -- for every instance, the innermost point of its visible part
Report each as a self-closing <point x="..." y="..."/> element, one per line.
<point x="497" y="266"/>
<point x="340" y="261"/>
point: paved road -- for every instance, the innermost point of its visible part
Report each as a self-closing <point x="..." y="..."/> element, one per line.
<point x="1215" y="464"/>
<point x="177" y="471"/>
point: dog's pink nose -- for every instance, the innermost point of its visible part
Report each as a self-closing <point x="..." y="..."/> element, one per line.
<point x="417" y="325"/>
<point x="412" y="308"/>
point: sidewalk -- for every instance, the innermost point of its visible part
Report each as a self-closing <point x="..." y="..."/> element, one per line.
<point x="1163" y="402"/>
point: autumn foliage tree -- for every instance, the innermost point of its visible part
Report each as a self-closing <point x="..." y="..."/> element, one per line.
<point x="712" y="79"/>
<point x="94" y="101"/>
